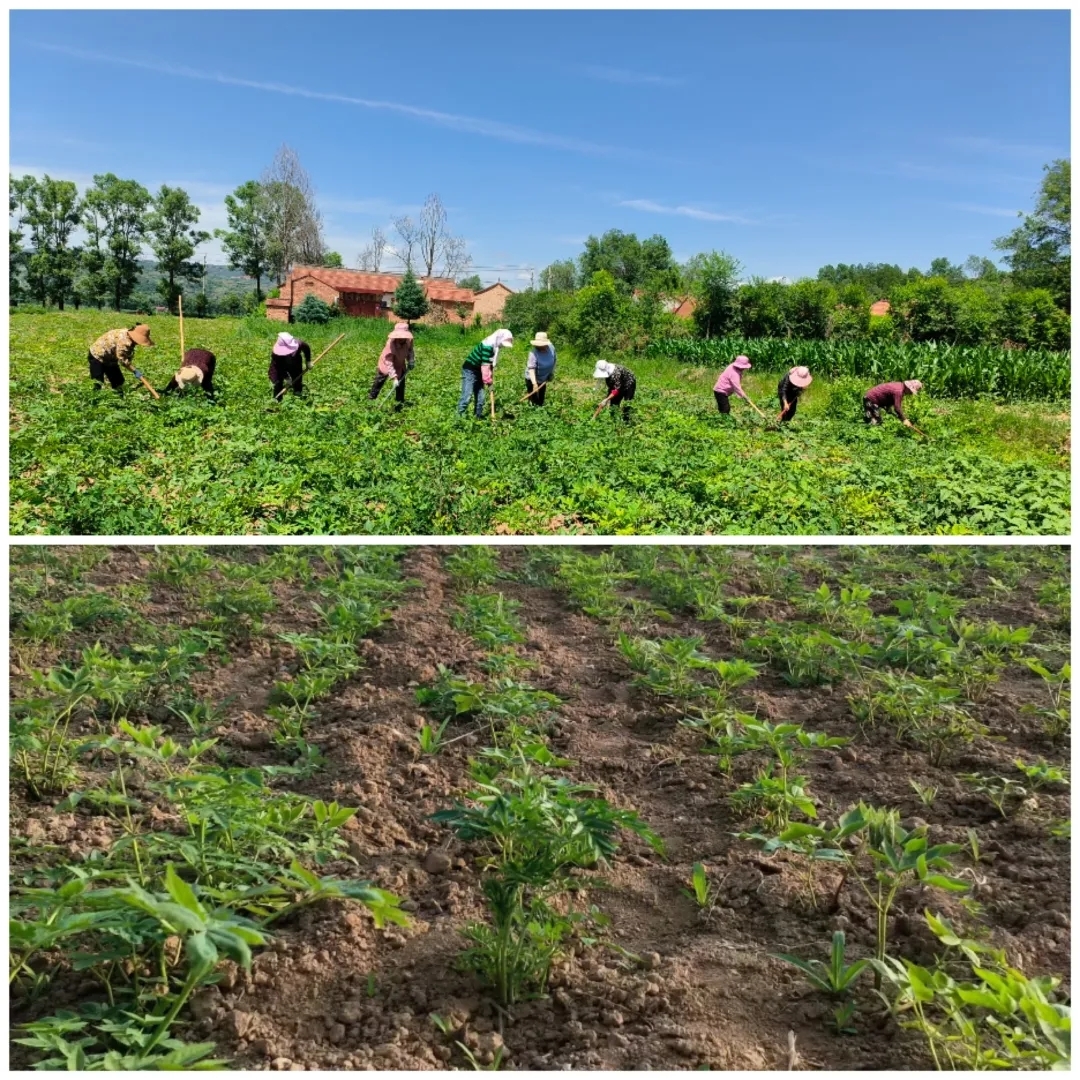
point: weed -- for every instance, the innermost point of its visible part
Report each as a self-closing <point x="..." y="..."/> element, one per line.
<point x="834" y="978"/>
<point x="1000" y="790"/>
<point x="927" y="794"/>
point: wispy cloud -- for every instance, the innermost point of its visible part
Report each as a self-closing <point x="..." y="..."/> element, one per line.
<point x="632" y="78"/>
<point x="978" y="144"/>
<point x="649" y="207"/>
<point x="493" y="129"/>
<point x="988" y="211"/>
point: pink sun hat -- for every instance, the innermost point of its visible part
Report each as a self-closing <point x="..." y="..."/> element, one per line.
<point x="800" y="376"/>
<point x="285" y="345"/>
<point x="742" y="363"/>
<point x="401" y="332"/>
<point x="913" y="385"/>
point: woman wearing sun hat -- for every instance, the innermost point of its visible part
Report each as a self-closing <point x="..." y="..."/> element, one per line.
<point x="730" y="382"/>
<point x="621" y="386"/>
<point x="396" y="359"/>
<point x="888" y="396"/>
<point x="289" y="359"/>
<point x="112" y="349"/>
<point x="789" y="389"/>
<point x="197" y="370"/>
<point x="539" y="368"/>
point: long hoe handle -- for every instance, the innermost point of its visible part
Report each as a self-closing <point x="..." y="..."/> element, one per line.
<point x="535" y="390"/>
<point x="313" y="363"/>
<point x="146" y="382"/>
<point x="493" y="403"/>
<point x="180" y="307"/>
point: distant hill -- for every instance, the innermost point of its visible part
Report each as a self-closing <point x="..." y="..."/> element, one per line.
<point x="220" y="282"/>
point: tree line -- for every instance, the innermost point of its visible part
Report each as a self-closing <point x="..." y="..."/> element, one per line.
<point x="617" y="294"/>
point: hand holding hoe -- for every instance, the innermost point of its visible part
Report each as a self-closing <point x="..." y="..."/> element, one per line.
<point x="289" y="382"/>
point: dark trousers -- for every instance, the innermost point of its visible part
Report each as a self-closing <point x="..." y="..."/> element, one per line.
<point x="287" y="367"/>
<point x="792" y="404"/>
<point x="538" y="397"/>
<point x="723" y="402"/>
<point x="377" y="385"/>
<point x="621" y="405"/>
<point x="871" y="412"/>
<point x="101" y="370"/>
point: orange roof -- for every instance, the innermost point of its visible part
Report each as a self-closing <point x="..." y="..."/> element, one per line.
<point x="359" y="281"/>
<point x="881" y="307"/>
<point x="497" y="285"/>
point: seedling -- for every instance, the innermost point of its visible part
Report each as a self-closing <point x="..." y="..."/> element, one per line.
<point x="835" y="978"/>
<point x="842" y="1017"/>
<point x="1000" y="790"/>
<point x="1057" y="719"/>
<point x="700" y="890"/>
<point x="1042" y="773"/>
<point x="430" y="738"/>
<point x="926" y="794"/>
<point x="973" y="846"/>
<point x="441" y="1023"/>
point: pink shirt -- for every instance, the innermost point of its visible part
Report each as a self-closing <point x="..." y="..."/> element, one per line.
<point x="394" y="361"/>
<point x="730" y="381"/>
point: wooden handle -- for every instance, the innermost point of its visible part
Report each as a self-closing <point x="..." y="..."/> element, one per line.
<point x="327" y="349"/>
<point x="180" y="305"/>
<point x="493" y="403"/>
<point x="535" y="390"/>
<point x="145" y="382"/>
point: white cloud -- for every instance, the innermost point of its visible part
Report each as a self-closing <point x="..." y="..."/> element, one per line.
<point x="989" y="211"/>
<point x="632" y="78"/>
<point x="494" y="129"/>
<point x="650" y="207"/>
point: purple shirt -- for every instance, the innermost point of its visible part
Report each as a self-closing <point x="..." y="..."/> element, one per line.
<point x="730" y="381"/>
<point x="888" y="395"/>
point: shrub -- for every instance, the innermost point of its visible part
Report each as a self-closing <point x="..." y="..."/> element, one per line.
<point x="410" y="303"/>
<point x="600" y="317"/>
<point x="312" y="310"/>
<point x="537" y="309"/>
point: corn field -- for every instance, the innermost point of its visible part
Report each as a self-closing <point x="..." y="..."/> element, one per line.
<point x="945" y="370"/>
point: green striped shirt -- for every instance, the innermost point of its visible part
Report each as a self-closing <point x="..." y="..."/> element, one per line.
<point x="481" y="354"/>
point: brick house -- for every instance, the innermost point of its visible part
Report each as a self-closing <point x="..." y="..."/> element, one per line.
<point x="489" y="302"/>
<point x="364" y="295"/>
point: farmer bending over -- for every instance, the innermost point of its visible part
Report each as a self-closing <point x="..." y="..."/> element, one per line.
<point x="889" y="396"/>
<point x="198" y="370"/>
<point x="396" y="359"/>
<point x="113" y="349"/>
<point x="540" y="368"/>
<point x="730" y="382"/>
<point x="621" y="386"/>
<point x="289" y="359"/>
<point x="789" y="389"/>
<point x="479" y="368"/>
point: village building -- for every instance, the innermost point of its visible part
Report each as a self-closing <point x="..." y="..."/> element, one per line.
<point x="366" y="295"/>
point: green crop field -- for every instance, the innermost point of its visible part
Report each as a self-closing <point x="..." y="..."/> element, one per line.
<point x="335" y="463"/>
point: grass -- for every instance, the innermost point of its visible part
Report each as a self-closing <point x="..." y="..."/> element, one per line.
<point x="336" y="463"/>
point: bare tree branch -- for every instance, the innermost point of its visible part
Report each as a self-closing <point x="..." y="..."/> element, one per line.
<point x="296" y="223"/>
<point x="409" y="231"/>
<point x="372" y="256"/>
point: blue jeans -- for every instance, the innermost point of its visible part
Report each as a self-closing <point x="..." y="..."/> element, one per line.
<point x="472" y="386"/>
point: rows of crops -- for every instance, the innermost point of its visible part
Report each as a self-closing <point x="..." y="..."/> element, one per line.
<point x="334" y="462"/>
<point x="945" y="370"/>
<point x="540" y="808"/>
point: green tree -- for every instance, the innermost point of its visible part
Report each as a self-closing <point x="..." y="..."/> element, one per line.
<point x="810" y="308"/>
<point x="410" y="303"/>
<point x="52" y="210"/>
<point x="850" y="317"/>
<point x="531" y="310"/>
<point x="600" y="318"/>
<point x="202" y="305"/>
<point x="1038" y="252"/>
<point x="615" y="253"/>
<point x="471" y="282"/>
<point x="332" y="261"/>
<point x="559" y="277"/>
<point x="173" y="239"/>
<point x="760" y="309"/>
<point x="1031" y="317"/>
<point x="951" y="272"/>
<point x="119" y="211"/>
<point x="247" y="239"/>
<point x="312" y="310"/>
<point x="926" y="310"/>
<point x="713" y="280"/>
<point x="20" y="190"/>
<point x="980" y="268"/>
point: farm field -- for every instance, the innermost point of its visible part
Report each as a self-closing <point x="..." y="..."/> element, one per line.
<point x="336" y="463"/>
<point x="537" y="808"/>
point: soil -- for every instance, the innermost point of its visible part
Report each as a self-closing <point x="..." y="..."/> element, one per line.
<point x="676" y="987"/>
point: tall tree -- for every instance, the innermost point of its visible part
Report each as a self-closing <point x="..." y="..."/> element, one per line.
<point x="440" y="253"/>
<point x="119" y="207"/>
<point x="20" y="191"/>
<point x="295" y="221"/>
<point x="372" y="256"/>
<point x="94" y="283"/>
<point x="332" y="260"/>
<point x="247" y="239"/>
<point x="559" y="276"/>
<point x="52" y="210"/>
<point x="617" y="253"/>
<point x="410" y="303"/>
<point x="1038" y="252"/>
<point x="409" y="232"/>
<point x="713" y="280"/>
<point x="173" y="239"/>
<point x="942" y="268"/>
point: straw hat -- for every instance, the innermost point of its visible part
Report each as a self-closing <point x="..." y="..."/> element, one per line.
<point x="189" y="374"/>
<point x="800" y="376"/>
<point x="913" y="385"/>
<point x="540" y="341"/>
<point x="140" y="334"/>
<point x="285" y="345"/>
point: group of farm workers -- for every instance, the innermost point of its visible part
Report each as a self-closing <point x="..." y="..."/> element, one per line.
<point x="290" y="358"/>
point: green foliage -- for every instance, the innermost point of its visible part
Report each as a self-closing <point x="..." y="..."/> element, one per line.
<point x="835" y="978"/>
<point x="116" y="216"/>
<point x="531" y="310"/>
<point x="713" y="279"/>
<point x="247" y="239"/>
<point x="409" y="301"/>
<point x="173" y="238"/>
<point x="598" y="320"/>
<point x="312" y="310"/>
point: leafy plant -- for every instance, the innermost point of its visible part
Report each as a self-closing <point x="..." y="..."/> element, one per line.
<point x="834" y="978"/>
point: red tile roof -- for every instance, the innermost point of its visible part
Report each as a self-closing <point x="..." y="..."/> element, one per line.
<point x="881" y="307"/>
<point x="359" y="281"/>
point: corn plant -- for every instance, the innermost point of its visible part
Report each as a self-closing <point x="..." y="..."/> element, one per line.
<point x="700" y="890"/>
<point x="834" y="978"/>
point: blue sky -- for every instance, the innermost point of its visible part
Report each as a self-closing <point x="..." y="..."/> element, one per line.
<point x="789" y="139"/>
